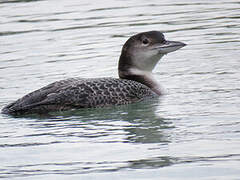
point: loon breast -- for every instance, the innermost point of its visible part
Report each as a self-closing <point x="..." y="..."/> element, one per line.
<point x="77" y="93"/>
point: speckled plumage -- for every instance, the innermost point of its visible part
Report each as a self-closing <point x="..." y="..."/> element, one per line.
<point x="77" y="93"/>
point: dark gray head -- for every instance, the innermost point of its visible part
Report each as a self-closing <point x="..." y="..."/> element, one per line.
<point x="141" y="53"/>
<point x="144" y="50"/>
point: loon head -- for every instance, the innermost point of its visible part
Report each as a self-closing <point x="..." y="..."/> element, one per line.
<point x="140" y="55"/>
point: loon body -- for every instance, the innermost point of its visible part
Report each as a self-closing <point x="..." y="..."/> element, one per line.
<point x="139" y="56"/>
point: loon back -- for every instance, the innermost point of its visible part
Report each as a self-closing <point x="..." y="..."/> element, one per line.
<point x="78" y="93"/>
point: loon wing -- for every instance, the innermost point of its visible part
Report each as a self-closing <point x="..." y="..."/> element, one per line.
<point x="47" y="95"/>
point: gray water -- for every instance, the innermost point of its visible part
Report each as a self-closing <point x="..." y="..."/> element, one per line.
<point x="192" y="132"/>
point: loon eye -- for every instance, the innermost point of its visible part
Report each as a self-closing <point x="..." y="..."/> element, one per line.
<point x="145" y="41"/>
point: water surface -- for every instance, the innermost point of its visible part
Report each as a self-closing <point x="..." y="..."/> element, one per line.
<point x="192" y="132"/>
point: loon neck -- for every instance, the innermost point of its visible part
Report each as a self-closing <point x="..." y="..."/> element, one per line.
<point x="142" y="77"/>
<point x="127" y="70"/>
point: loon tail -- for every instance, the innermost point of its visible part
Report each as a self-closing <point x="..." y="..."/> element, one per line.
<point x="8" y="110"/>
<point x="14" y="109"/>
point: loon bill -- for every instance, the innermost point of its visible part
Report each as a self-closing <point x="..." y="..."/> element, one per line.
<point x="139" y="56"/>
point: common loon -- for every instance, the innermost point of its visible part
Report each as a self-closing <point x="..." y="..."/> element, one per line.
<point x="139" y="56"/>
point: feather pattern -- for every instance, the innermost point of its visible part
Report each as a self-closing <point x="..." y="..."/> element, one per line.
<point x="80" y="93"/>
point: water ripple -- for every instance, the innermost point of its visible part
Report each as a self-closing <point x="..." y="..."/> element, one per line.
<point x="193" y="128"/>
